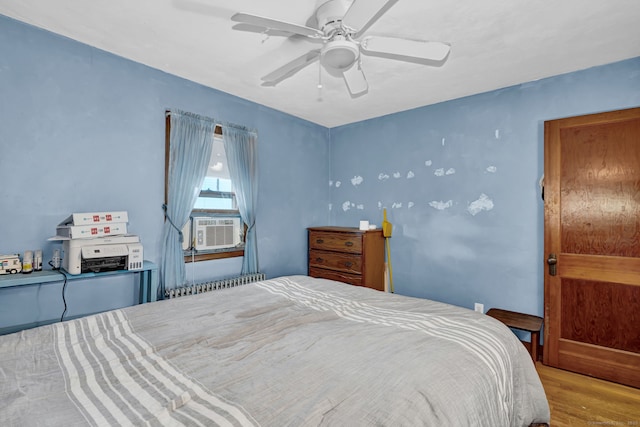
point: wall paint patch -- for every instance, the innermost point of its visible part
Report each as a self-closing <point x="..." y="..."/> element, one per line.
<point x="484" y="203"/>
<point x="383" y="176"/>
<point x="439" y="172"/>
<point x="497" y="133"/>
<point x="410" y="205"/>
<point x="338" y="184"/>
<point x="450" y="171"/>
<point x="396" y="205"/>
<point x="360" y="207"/>
<point x="443" y="142"/>
<point x="396" y="175"/>
<point x="410" y="175"/>
<point x="346" y="206"/>
<point x="492" y="169"/>
<point x="330" y="183"/>
<point x="428" y="163"/>
<point x="357" y="180"/>
<point x="441" y="205"/>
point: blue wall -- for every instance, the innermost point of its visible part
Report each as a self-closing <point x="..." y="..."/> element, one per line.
<point x="459" y="181"/>
<point x="83" y="130"/>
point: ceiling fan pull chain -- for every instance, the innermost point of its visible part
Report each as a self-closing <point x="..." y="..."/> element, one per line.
<point x="319" y="81"/>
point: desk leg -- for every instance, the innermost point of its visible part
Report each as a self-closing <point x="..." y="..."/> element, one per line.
<point x="148" y="286"/>
<point x="153" y="283"/>
<point x="143" y="291"/>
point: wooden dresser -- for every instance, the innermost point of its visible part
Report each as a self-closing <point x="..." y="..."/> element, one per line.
<point x="347" y="255"/>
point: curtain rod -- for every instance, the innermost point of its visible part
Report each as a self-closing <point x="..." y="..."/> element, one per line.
<point x="222" y="124"/>
<point x="189" y="114"/>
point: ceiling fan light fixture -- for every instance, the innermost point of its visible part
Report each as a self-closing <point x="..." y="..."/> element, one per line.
<point x="339" y="54"/>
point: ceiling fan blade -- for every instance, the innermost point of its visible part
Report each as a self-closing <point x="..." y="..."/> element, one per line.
<point x="290" y="68"/>
<point x="405" y="49"/>
<point x="355" y="80"/>
<point x="363" y="13"/>
<point x="274" y="24"/>
<point x="261" y="30"/>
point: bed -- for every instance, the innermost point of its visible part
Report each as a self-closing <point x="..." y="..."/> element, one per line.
<point x="290" y="351"/>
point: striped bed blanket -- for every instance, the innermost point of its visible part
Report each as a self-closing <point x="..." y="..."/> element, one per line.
<point x="290" y="351"/>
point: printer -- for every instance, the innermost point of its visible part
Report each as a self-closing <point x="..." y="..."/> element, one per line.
<point x="100" y="254"/>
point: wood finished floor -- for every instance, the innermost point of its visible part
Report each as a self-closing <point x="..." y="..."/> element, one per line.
<point x="578" y="400"/>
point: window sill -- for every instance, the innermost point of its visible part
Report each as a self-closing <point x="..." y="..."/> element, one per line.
<point x="214" y="255"/>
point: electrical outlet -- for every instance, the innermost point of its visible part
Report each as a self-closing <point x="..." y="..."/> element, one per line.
<point x="478" y="307"/>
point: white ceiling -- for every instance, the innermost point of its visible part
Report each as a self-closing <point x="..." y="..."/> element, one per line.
<point x="494" y="44"/>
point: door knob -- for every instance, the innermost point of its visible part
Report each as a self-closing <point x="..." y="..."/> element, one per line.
<point x="552" y="261"/>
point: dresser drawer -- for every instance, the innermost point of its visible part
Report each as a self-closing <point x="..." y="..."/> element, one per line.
<point x="352" y="279"/>
<point x="341" y="242"/>
<point x="336" y="261"/>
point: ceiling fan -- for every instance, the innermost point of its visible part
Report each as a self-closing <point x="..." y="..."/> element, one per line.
<point x="340" y="26"/>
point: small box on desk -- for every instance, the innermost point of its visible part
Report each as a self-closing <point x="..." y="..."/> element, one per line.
<point x="91" y="231"/>
<point x="89" y="218"/>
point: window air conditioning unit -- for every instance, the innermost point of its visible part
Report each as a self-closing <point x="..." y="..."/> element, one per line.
<point x="215" y="233"/>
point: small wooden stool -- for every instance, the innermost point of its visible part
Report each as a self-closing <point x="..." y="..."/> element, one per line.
<point x="525" y="322"/>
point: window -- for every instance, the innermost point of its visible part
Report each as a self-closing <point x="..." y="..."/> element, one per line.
<point x="215" y="229"/>
<point x="217" y="190"/>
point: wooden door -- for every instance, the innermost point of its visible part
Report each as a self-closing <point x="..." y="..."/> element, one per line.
<point x="592" y="239"/>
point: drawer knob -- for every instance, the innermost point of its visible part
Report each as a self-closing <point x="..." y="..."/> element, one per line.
<point x="319" y="241"/>
<point x="348" y="264"/>
<point x="348" y="243"/>
<point x="319" y="259"/>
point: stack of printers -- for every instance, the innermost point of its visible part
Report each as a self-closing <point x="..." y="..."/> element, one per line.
<point x="94" y="242"/>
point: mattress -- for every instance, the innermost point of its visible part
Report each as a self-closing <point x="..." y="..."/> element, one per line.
<point x="290" y="351"/>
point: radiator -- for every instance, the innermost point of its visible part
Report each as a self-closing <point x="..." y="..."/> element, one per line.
<point x="199" y="288"/>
